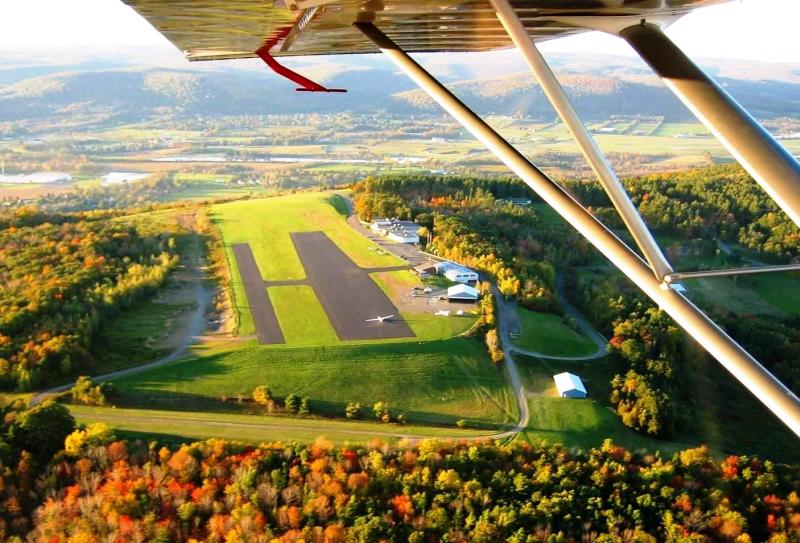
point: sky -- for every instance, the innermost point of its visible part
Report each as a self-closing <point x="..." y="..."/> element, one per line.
<point x="762" y="30"/>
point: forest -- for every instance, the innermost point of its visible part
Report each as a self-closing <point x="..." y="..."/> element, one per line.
<point x="95" y="488"/>
<point x="523" y="253"/>
<point x="61" y="275"/>
<point x="471" y="225"/>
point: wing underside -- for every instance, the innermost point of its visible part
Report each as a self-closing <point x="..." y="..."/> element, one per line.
<point x="215" y="29"/>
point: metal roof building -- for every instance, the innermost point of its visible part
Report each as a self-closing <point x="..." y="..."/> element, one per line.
<point x="462" y="293"/>
<point x="569" y="385"/>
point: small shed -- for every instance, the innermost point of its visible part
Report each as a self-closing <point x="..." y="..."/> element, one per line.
<point x="425" y="270"/>
<point x="569" y="385"/>
<point x="462" y="293"/>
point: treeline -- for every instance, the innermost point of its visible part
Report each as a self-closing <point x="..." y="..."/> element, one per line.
<point x="100" y="489"/>
<point x="467" y="224"/>
<point x="60" y="279"/>
<point x="696" y="207"/>
<point x="717" y="202"/>
<point x="650" y="390"/>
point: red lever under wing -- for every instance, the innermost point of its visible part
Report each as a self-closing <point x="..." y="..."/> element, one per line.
<point x="306" y="85"/>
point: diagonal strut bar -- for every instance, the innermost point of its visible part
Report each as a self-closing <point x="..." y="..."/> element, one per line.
<point x="594" y="156"/>
<point x="764" y="386"/>
<point x="772" y="166"/>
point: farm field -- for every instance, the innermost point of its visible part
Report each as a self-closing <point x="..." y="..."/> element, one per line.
<point x="432" y="382"/>
<point x="546" y="333"/>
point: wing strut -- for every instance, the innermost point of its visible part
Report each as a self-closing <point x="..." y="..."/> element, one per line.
<point x="602" y="169"/>
<point x="778" y="399"/>
<point x="777" y="171"/>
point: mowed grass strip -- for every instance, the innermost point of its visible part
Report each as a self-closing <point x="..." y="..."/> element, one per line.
<point x="267" y="223"/>
<point x="182" y="426"/>
<point x="245" y="324"/>
<point x="431" y="382"/>
<point x="429" y="326"/>
<point x="301" y="316"/>
<point x="546" y="333"/>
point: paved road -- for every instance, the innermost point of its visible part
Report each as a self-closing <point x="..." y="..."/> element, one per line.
<point x="268" y="329"/>
<point x="197" y="325"/>
<point x="585" y="326"/>
<point x="346" y="292"/>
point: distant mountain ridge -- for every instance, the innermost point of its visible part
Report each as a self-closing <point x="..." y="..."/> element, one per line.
<point x="601" y="86"/>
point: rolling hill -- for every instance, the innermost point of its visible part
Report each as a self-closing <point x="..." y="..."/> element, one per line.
<point x="600" y="86"/>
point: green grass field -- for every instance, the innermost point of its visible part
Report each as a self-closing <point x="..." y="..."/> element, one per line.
<point x="433" y="381"/>
<point x="132" y="337"/>
<point x="266" y="224"/>
<point x="739" y="297"/>
<point x="782" y="290"/>
<point x="301" y="316"/>
<point x="182" y="426"/>
<point x="578" y="423"/>
<point x="546" y="333"/>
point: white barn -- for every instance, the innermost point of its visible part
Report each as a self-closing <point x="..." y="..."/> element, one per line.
<point x="569" y="385"/>
<point x="462" y="293"/>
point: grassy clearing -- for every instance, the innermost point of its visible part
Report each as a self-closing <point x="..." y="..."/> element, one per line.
<point x="301" y="316"/>
<point x="135" y="336"/>
<point x="429" y="327"/>
<point x="546" y="333"/>
<point x="733" y="294"/>
<point x="147" y="330"/>
<point x="182" y="426"/>
<point x="584" y="424"/>
<point x="432" y="382"/>
<point x="578" y="423"/>
<point x="779" y="289"/>
<point x="729" y="418"/>
<point x="673" y="129"/>
<point x="266" y="224"/>
<point x="202" y="191"/>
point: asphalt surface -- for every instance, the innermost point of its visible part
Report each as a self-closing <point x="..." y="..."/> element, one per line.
<point x="347" y="293"/>
<point x="268" y="330"/>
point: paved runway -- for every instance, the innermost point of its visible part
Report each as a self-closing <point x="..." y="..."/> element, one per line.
<point x="268" y="330"/>
<point x="346" y="292"/>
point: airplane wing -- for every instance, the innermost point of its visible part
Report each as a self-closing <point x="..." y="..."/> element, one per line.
<point x="214" y="30"/>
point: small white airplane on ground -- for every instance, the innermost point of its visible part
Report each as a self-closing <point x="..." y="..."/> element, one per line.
<point x="379" y="319"/>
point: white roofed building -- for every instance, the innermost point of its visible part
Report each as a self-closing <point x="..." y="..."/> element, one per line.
<point x="456" y="273"/>
<point x="396" y="230"/>
<point x="569" y="385"/>
<point x="462" y="293"/>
